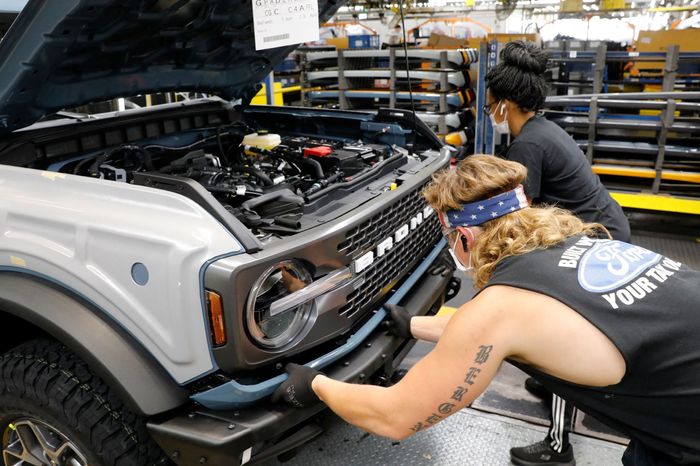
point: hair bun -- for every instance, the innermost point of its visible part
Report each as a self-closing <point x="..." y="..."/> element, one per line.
<point x="524" y="55"/>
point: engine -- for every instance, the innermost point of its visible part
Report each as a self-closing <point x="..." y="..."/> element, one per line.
<point x="268" y="189"/>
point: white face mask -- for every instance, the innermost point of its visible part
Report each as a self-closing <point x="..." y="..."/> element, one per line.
<point x="502" y="127"/>
<point x="458" y="263"/>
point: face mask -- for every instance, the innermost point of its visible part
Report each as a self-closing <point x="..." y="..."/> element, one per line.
<point x="458" y="263"/>
<point x="502" y="127"/>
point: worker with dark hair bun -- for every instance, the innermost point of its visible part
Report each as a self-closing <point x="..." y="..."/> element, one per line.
<point x="557" y="174"/>
<point x="519" y="77"/>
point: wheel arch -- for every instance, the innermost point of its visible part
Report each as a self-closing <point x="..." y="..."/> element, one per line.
<point x="32" y="306"/>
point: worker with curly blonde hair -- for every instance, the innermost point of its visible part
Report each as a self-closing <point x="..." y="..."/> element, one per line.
<point x="610" y="326"/>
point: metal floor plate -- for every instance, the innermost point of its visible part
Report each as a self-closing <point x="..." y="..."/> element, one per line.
<point x="679" y="248"/>
<point x="468" y="438"/>
<point x="674" y="236"/>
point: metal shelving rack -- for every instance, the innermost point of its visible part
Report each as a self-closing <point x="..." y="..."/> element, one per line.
<point x="670" y="78"/>
<point x="449" y="74"/>
<point x="678" y="120"/>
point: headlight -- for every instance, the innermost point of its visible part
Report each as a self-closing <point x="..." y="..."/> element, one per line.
<point x="283" y="329"/>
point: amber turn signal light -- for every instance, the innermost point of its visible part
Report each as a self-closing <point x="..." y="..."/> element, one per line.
<point x="217" y="328"/>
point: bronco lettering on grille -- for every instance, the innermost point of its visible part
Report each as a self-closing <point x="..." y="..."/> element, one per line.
<point x="386" y="244"/>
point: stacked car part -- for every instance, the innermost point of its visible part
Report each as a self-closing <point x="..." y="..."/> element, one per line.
<point x="599" y="67"/>
<point x="438" y="81"/>
<point x="639" y="143"/>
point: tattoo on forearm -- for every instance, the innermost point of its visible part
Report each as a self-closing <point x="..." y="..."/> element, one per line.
<point x="471" y="375"/>
<point x="417" y="427"/>
<point x="446" y="408"/>
<point x="459" y="393"/>
<point x="483" y="355"/>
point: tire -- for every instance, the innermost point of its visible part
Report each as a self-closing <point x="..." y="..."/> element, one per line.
<point x="44" y="387"/>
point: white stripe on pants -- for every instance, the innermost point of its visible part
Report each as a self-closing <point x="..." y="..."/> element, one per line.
<point x="556" y="430"/>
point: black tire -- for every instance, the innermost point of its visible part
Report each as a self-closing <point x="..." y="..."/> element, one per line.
<point x="44" y="381"/>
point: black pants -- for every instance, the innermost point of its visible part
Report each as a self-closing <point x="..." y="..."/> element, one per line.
<point x="560" y="419"/>
<point x="637" y="454"/>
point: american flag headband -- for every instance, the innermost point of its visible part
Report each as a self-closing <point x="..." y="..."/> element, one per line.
<point x="478" y="212"/>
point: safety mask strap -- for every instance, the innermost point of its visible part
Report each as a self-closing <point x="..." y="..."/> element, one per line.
<point x="460" y="266"/>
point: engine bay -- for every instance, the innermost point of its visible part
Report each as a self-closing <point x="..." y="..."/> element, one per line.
<point x="269" y="188"/>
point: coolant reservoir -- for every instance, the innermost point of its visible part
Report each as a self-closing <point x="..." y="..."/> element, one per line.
<point x="262" y="140"/>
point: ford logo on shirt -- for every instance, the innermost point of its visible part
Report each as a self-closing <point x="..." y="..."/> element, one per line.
<point x="609" y="265"/>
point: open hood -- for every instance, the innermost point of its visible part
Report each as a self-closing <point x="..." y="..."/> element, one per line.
<point x="64" y="53"/>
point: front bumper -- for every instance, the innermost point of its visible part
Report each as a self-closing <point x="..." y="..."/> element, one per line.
<point x="202" y="435"/>
<point x="234" y="395"/>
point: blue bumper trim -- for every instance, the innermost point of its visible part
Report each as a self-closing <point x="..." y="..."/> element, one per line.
<point x="234" y="395"/>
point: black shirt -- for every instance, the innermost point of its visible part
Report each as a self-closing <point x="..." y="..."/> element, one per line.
<point x="649" y="307"/>
<point x="559" y="174"/>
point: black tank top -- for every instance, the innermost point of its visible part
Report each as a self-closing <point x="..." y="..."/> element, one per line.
<point x="649" y="307"/>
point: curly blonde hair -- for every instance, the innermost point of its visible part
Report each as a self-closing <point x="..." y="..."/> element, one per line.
<point x="483" y="176"/>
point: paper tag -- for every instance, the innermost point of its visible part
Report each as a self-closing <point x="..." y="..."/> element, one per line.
<point x="572" y="54"/>
<point x="284" y="22"/>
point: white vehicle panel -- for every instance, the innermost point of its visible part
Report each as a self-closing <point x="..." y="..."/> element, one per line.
<point x="87" y="234"/>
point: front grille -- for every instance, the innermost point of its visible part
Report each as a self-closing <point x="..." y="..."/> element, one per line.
<point x="388" y="269"/>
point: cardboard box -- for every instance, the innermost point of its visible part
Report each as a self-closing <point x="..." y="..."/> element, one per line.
<point x="440" y="41"/>
<point x="658" y="41"/>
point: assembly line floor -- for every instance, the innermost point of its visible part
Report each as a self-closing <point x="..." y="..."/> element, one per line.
<point x="467" y="438"/>
<point x="505" y="415"/>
